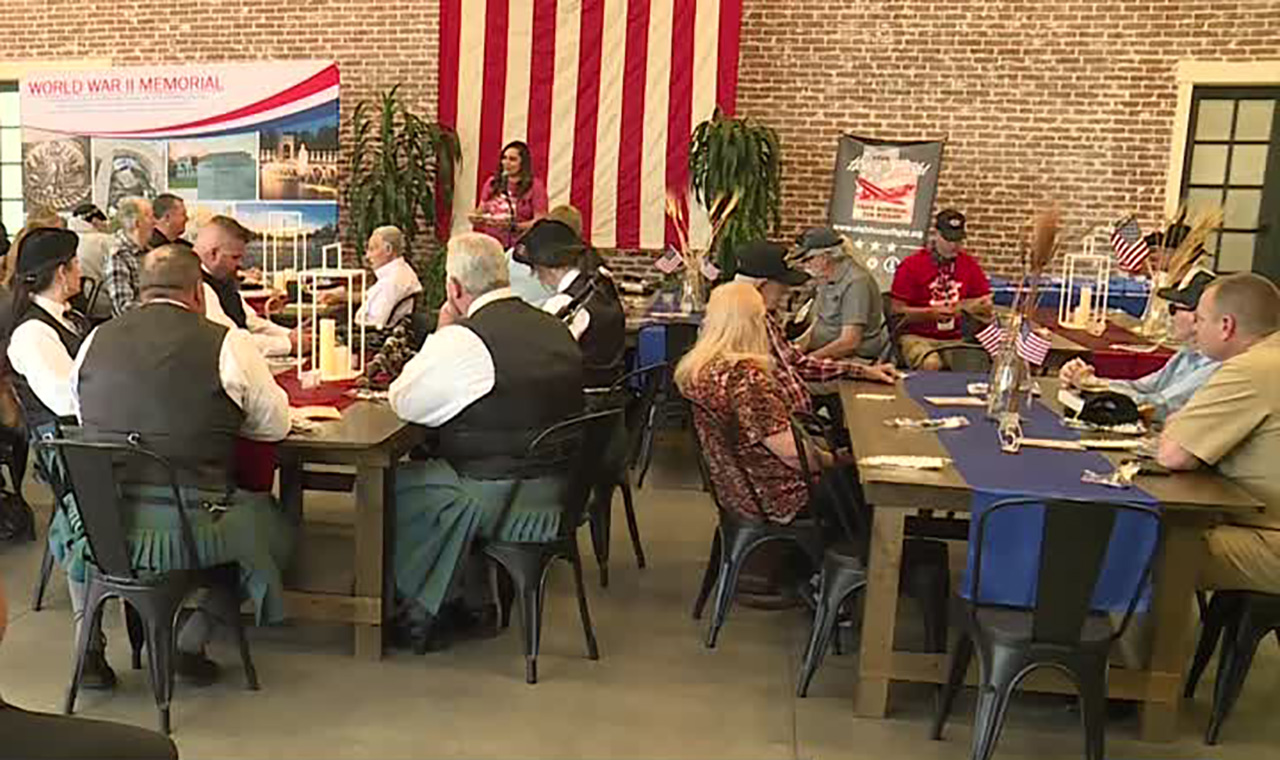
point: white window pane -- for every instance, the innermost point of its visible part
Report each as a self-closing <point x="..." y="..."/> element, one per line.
<point x="1214" y="120"/>
<point x="1209" y="165"/>
<point x="1241" y="209"/>
<point x="9" y="109"/>
<point x="1254" y="119"/>
<point x="1237" y="252"/>
<point x="12" y="214"/>
<point x="1203" y="197"/>
<point x="10" y="145"/>
<point x="11" y="180"/>
<point x="1248" y="164"/>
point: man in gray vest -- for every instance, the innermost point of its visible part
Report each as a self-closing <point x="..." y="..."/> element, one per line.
<point x="189" y="388"/>
<point x="494" y="373"/>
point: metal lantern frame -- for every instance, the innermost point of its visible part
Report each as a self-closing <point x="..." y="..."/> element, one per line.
<point x="325" y="357"/>
<point x="284" y="237"/>
<point x="1086" y="286"/>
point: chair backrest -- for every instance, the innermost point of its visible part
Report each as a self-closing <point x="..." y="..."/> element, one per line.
<point x="844" y="512"/>
<point x="403" y="308"/>
<point x="962" y="357"/>
<point x="1076" y="541"/>
<point x="92" y="469"/>
<point x="641" y="408"/>
<point x="893" y="323"/>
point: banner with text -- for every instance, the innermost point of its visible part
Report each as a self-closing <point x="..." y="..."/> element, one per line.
<point x="257" y="141"/>
<point x="882" y="198"/>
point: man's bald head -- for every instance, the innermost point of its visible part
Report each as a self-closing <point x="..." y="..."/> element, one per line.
<point x="221" y="246"/>
<point x="172" y="272"/>
<point x="1235" y="312"/>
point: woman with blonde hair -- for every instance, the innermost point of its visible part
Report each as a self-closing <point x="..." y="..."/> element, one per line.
<point x="729" y="375"/>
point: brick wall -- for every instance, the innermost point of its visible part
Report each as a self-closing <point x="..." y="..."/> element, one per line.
<point x="1071" y="100"/>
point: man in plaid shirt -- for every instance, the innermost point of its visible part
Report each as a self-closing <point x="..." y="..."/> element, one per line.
<point x="124" y="263"/>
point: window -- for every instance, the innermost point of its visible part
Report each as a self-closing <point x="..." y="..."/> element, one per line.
<point x="1233" y="161"/>
<point x="11" y="211"/>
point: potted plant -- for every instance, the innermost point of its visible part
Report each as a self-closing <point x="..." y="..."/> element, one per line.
<point x="731" y="157"/>
<point x="400" y="166"/>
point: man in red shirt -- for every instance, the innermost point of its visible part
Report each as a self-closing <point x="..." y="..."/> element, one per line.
<point x="933" y="286"/>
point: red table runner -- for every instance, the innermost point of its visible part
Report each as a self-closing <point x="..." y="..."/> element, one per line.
<point x="1109" y="362"/>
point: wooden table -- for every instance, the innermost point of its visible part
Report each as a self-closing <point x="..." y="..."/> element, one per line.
<point x="371" y="438"/>
<point x="1193" y="502"/>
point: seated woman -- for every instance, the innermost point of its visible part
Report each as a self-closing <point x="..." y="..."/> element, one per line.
<point x="512" y="199"/>
<point x="729" y="374"/>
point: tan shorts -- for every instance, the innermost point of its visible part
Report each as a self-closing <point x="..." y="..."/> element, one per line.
<point x="914" y="347"/>
<point x="1241" y="558"/>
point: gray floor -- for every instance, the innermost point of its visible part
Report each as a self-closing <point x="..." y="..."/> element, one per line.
<point x="655" y="693"/>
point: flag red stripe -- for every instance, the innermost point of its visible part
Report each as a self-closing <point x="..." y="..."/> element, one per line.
<point x="447" y="95"/>
<point x="631" y="132"/>
<point x="727" y="65"/>
<point x="493" y="104"/>
<point x="680" y="106"/>
<point x="582" y="191"/>
<point x="542" y="74"/>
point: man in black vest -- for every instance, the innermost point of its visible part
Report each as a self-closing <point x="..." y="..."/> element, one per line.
<point x="189" y="388"/>
<point x="221" y="246"/>
<point x="494" y="373"/>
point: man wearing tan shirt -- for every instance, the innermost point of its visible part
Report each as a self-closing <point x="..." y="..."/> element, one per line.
<point x="1233" y="425"/>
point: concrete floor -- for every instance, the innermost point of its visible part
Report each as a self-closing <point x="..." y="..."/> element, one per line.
<point x="655" y="693"/>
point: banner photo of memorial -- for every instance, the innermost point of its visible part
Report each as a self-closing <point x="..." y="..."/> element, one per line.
<point x="606" y="94"/>
<point x="257" y="141"/>
<point x="882" y="197"/>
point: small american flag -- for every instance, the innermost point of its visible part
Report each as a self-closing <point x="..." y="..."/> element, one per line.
<point x="991" y="337"/>
<point x="1131" y="250"/>
<point x="710" y="270"/>
<point x="1032" y="346"/>
<point x="669" y="262"/>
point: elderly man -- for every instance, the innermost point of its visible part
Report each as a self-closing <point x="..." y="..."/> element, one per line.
<point x="1233" y="425"/>
<point x="848" y="320"/>
<point x="933" y="286"/>
<point x="189" y="388"/>
<point x="171" y="220"/>
<point x="123" y="263"/>
<point x="221" y="246"/>
<point x="385" y="302"/>
<point x="494" y="373"/>
<point x="1166" y="390"/>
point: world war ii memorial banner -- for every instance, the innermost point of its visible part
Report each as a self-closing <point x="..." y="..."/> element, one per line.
<point x="256" y="141"/>
<point x="882" y="198"/>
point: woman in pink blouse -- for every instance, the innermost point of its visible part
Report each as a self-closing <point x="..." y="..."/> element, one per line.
<point x="512" y="199"/>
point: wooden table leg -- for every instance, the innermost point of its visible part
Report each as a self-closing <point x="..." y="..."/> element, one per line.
<point x="370" y="570"/>
<point x="880" y="615"/>
<point x="1172" y="626"/>
<point x="291" y="486"/>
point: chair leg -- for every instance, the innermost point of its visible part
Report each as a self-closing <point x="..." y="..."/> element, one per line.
<point x="160" y="660"/>
<point x="593" y="649"/>
<point x="1093" y="708"/>
<point x="527" y="572"/>
<point x="709" y="576"/>
<point x="246" y="658"/>
<point x="137" y="635"/>
<point x="960" y="660"/>
<point x="1233" y="669"/>
<point x="732" y="555"/>
<point x="1221" y="608"/>
<point x="88" y="624"/>
<point x="600" y="522"/>
<point x="831" y="597"/>
<point x="993" y="701"/>
<point x="633" y="526"/>
<point x="46" y="569"/>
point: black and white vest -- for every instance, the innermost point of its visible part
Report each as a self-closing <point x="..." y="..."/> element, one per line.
<point x="228" y="291"/>
<point x="34" y="411"/>
<point x="604" y="343"/>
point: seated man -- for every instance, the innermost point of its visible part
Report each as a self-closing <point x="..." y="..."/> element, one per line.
<point x="42" y="736"/>
<point x="189" y="387"/>
<point x="1166" y="390"/>
<point x="132" y="240"/>
<point x="933" y="286"/>
<point x="395" y="281"/>
<point x="1233" y="425"/>
<point x="494" y="373"/>
<point x="524" y="282"/>
<point x="171" y="220"/>
<point x="848" y="316"/>
<point x="221" y="245"/>
<point x="88" y="221"/>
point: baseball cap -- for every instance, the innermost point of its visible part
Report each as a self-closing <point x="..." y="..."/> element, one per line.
<point x="816" y="240"/>
<point x="768" y="261"/>
<point x="548" y="243"/>
<point x="950" y="224"/>
<point x="89" y="212"/>
<point x="1187" y="293"/>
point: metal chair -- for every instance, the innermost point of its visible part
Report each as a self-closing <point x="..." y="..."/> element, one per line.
<point x="1246" y="617"/>
<point x="961" y="357"/>
<point x="569" y="450"/>
<point x="1060" y="629"/>
<point x="91" y="470"/>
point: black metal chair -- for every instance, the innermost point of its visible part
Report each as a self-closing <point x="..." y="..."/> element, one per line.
<point x="569" y="450"/>
<point x="17" y="520"/>
<point x="894" y="323"/>
<point x="1060" y="630"/>
<point x="1246" y="617"/>
<point x="157" y="597"/>
<point x="737" y="536"/>
<point x="639" y="413"/>
<point x="961" y="357"/>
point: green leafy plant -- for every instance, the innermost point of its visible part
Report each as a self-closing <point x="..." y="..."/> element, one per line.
<point x="400" y="164"/>
<point x="727" y="157"/>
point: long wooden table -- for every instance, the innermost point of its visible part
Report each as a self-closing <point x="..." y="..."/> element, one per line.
<point x="1193" y="502"/>
<point x="371" y="438"/>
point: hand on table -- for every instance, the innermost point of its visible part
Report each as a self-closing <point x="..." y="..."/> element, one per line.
<point x="881" y="373"/>
<point x="1077" y="374"/>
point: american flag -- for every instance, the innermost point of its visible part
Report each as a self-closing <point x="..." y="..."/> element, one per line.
<point x="605" y="92"/>
<point x="991" y="337"/>
<point x="669" y="262"/>
<point x="1131" y="249"/>
<point x="1032" y="346"/>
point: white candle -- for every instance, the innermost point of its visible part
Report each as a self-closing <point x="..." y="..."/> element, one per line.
<point x="280" y="281"/>
<point x="328" y="344"/>
<point x="341" y="363"/>
<point x="1086" y="305"/>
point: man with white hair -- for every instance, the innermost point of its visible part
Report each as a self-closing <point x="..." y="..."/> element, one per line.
<point x="494" y="373"/>
<point x="125" y="260"/>
<point x="396" y="281"/>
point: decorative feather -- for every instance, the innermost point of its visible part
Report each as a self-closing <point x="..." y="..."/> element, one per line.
<point x="1192" y="246"/>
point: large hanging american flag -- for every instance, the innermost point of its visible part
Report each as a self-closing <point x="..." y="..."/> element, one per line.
<point x="605" y="92"/>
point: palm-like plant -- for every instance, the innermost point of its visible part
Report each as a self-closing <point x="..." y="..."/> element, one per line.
<point x="729" y="157"/>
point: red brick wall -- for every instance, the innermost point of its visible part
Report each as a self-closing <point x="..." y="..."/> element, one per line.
<point x="1070" y="100"/>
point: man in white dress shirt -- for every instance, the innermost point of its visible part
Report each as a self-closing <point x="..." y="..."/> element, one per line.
<point x="494" y="373"/>
<point x="221" y="246"/>
<point x="395" y="281"/>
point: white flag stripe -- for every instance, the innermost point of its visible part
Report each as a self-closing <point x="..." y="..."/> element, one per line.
<point x="706" y="45"/>
<point x="564" y="102"/>
<point x="604" y="192"/>
<point x="470" y="80"/>
<point x="515" y="107"/>
<point x="657" y="97"/>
